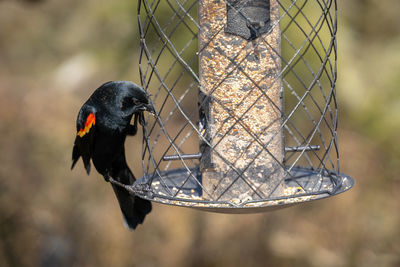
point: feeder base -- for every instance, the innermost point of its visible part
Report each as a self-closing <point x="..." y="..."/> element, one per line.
<point x="304" y="185"/>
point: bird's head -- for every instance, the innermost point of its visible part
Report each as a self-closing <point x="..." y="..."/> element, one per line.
<point x="132" y="99"/>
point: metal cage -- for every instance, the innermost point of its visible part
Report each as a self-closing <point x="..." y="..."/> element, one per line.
<point x="245" y="92"/>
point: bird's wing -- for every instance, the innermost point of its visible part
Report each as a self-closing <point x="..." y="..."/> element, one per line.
<point x="84" y="140"/>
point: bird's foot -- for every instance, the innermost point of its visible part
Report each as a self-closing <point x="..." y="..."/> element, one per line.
<point x="132" y="130"/>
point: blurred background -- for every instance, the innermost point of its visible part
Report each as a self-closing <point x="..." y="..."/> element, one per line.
<point x="53" y="54"/>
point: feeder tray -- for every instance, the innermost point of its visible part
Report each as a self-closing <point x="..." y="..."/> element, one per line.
<point x="245" y="94"/>
<point x="303" y="186"/>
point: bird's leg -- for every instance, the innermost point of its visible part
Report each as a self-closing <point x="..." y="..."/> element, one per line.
<point x="106" y="177"/>
<point x="132" y="129"/>
<point x="141" y="119"/>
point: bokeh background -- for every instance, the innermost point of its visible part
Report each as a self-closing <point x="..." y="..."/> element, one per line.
<point x="53" y="54"/>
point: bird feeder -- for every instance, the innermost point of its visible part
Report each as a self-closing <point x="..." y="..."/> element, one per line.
<point x="245" y="93"/>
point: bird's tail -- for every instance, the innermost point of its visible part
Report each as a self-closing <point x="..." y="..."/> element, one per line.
<point x="134" y="209"/>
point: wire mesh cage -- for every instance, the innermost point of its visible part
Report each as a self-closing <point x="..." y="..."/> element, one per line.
<point x="245" y="93"/>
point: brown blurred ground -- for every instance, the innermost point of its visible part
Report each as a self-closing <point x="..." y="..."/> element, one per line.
<point x="54" y="53"/>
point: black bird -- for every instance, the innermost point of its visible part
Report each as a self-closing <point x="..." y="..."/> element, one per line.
<point x="102" y="125"/>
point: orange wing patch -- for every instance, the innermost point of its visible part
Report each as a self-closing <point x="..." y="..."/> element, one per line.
<point x="90" y="121"/>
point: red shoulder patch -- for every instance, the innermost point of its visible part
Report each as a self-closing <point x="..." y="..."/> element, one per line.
<point x="90" y="121"/>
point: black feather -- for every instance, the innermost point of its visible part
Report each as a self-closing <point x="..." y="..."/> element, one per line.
<point x="114" y="104"/>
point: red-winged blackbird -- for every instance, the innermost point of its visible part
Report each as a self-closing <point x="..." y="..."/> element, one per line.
<point x="102" y="126"/>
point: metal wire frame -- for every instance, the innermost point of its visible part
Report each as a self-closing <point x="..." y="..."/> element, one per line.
<point x="320" y="110"/>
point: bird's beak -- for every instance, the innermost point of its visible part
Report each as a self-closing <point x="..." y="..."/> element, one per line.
<point x="150" y="108"/>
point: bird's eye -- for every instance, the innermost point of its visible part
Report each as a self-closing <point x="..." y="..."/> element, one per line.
<point x="127" y="102"/>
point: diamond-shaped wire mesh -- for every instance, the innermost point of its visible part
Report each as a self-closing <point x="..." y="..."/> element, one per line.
<point x="241" y="123"/>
